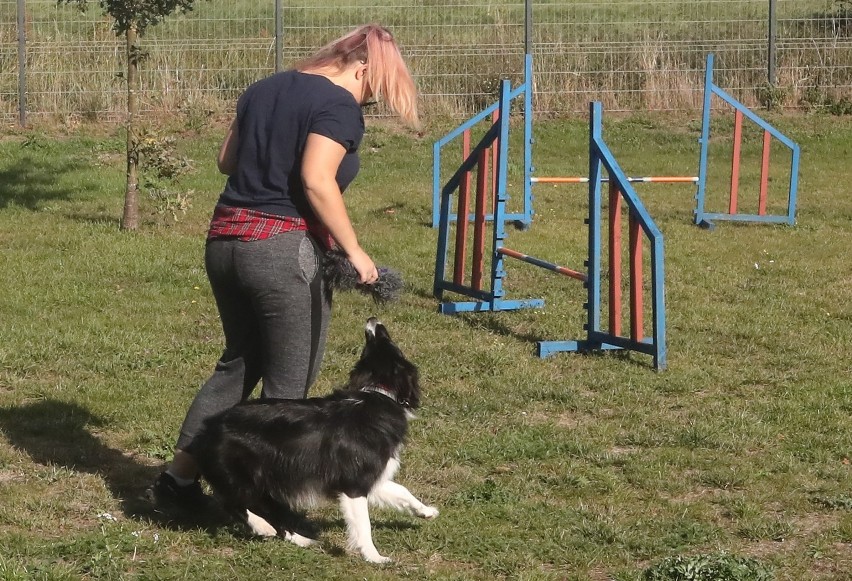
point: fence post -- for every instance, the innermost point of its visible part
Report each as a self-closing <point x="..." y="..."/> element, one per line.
<point x="773" y="21"/>
<point x="279" y="41"/>
<point x="22" y="63"/>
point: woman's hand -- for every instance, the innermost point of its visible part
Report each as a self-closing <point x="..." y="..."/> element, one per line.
<point x="364" y="265"/>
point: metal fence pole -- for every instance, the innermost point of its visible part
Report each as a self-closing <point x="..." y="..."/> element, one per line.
<point x="773" y="21"/>
<point x="528" y="40"/>
<point x="22" y="63"/>
<point x="279" y="41"/>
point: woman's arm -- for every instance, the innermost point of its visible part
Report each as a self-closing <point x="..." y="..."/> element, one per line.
<point x="227" y="159"/>
<point x="320" y="162"/>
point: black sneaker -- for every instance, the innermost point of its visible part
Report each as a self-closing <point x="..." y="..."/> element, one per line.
<point x="167" y="493"/>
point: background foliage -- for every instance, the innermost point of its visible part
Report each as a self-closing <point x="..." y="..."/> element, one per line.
<point x="631" y="54"/>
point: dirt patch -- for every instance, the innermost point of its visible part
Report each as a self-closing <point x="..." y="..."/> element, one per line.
<point x="8" y="476"/>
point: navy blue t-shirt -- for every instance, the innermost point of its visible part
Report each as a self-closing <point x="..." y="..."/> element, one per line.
<point x="274" y="117"/>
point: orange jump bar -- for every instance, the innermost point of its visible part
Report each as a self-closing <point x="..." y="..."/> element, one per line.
<point x="543" y="264"/>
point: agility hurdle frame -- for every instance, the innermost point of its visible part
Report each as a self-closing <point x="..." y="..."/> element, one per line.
<point x="492" y="299"/>
<point x="640" y="222"/>
<point x="704" y="218"/>
<point x="523" y="218"/>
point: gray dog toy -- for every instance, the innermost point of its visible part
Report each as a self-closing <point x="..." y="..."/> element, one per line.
<point x="339" y="274"/>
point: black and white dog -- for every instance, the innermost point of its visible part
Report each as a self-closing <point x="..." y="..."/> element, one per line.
<point x="264" y="459"/>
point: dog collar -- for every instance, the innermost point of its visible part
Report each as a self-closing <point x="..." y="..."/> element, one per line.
<point x="383" y="391"/>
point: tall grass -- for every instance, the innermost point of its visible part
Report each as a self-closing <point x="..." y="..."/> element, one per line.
<point x="631" y="56"/>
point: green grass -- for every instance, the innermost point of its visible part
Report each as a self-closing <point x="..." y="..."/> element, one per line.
<point x="575" y="467"/>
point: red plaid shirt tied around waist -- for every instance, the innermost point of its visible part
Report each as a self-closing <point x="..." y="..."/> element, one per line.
<point x="245" y="224"/>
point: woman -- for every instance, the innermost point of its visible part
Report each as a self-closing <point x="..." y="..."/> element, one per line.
<point x="289" y="154"/>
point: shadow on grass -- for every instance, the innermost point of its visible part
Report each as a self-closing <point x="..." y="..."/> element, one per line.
<point x="54" y="432"/>
<point x="29" y="182"/>
<point x="493" y="325"/>
<point x="59" y="433"/>
<point x="490" y="323"/>
<point x="100" y="218"/>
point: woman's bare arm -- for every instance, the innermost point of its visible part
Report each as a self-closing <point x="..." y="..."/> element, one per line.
<point x="227" y="159"/>
<point x="320" y="162"/>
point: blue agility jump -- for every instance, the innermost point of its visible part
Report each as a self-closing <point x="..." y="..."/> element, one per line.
<point x="704" y="218"/>
<point x="488" y="294"/>
<point x="486" y="297"/>
<point x="610" y="337"/>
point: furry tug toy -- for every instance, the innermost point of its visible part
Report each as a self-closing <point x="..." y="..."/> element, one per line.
<point x="339" y="274"/>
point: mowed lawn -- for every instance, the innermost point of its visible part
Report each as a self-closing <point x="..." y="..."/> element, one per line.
<point x="577" y="467"/>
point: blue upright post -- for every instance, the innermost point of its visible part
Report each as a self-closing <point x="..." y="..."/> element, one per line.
<point x="705" y="144"/>
<point x="593" y="304"/>
<point x="528" y="141"/>
<point x="436" y="183"/>
<point x="497" y="270"/>
<point x="794" y="185"/>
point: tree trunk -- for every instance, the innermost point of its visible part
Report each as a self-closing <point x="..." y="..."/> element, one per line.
<point x="130" y="220"/>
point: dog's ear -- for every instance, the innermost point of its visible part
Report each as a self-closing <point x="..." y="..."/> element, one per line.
<point x="382" y="332"/>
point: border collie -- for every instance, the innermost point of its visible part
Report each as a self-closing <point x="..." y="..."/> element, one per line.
<point x="267" y="458"/>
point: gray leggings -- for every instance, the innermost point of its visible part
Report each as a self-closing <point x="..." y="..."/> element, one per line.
<point x="274" y="309"/>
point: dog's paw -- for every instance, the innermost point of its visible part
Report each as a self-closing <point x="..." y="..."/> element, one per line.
<point x="375" y="558"/>
<point x="428" y="512"/>
<point x="259" y="525"/>
<point x="299" y="540"/>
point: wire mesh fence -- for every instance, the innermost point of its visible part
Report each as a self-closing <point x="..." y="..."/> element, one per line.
<point x="59" y="62"/>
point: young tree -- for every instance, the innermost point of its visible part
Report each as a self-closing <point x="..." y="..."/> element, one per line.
<point x="131" y="19"/>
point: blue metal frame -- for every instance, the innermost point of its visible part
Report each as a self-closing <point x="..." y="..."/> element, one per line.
<point x="491" y="300"/>
<point x="524" y="219"/>
<point x="596" y="338"/>
<point x="703" y="218"/>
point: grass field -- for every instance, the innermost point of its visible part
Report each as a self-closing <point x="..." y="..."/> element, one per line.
<point x="578" y="467"/>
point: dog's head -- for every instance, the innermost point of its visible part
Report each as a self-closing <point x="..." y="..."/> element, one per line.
<point x="382" y="366"/>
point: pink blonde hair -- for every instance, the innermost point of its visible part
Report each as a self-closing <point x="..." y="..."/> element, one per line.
<point x="387" y="73"/>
